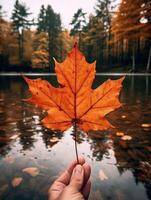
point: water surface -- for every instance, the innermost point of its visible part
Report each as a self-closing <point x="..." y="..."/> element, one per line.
<point x="121" y="170"/>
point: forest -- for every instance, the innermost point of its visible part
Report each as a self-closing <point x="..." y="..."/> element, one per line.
<point x="117" y="37"/>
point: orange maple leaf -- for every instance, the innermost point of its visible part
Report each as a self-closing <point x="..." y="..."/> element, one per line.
<point x="75" y="101"/>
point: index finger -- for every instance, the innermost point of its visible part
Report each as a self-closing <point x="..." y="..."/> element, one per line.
<point x="65" y="177"/>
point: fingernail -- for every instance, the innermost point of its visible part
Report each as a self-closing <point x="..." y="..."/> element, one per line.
<point x="78" y="170"/>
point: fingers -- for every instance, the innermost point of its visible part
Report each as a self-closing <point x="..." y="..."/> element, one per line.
<point x="74" y="163"/>
<point x="86" y="190"/>
<point x="77" y="178"/>
<point x="66" y="176"/>
<point x="87" y="183"/>
<point x="87" y="172"/>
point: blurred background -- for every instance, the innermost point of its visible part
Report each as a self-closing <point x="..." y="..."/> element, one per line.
<point x="115" y="33"/>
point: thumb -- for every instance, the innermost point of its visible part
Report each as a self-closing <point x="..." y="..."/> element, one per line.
<point x="77" y="178"/>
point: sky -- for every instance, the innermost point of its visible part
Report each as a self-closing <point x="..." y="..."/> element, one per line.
<point x="66" y="8"/>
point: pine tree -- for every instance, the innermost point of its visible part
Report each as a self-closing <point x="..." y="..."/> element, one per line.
<point x="93" y="39"/>
<point x="104" y="11"/>
<point x="78" y="24"/>
<point x="41" y="19"/>
<point x="50" y="22"/>
<point x="20" y="22"/>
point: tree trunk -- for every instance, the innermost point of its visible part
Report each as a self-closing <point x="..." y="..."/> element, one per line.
<point x="109" y="46"/>
<point x="122" y="51"/>
<point x="22" y="46"/>
<point x="133" y="59"/>
<point x="19" y="48"/>
<point x="138" y="57"/>
<point x="149" y="60"/>
<point x="50" y="49"/>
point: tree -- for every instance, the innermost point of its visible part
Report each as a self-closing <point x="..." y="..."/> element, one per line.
<point x="67" y="42"/>
<point x="93" y="39"/>
<point x="146" y="29"/>
<point x="1" y="12"/>
<point x="20" y="22"/>
<point x="78" y="24"/>
<point x="1" y="31"/>
<point x="4" y="40"/>
<point x="40" y="56"/>
<point x="104" y="12"/>
<point x="131" y="26"/>
<point x="42" y="20"/>
<point x="50" y="22"/>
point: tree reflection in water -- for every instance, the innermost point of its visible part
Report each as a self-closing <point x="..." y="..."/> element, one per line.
<point x="25" y="142"/>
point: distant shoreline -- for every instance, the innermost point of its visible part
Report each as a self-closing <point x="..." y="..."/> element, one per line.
<point x="52" y="74"/>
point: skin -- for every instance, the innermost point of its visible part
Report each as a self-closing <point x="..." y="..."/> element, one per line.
<point x="73" y="184"/>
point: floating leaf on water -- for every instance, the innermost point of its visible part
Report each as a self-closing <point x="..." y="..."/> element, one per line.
<point x="146" y="125"/>
<point x="29" y="130"/>
<point x="9" y="159"/>
<point x="12" y="123"/>
<point x="14" y="137"/>
<point x="38" y="128"/>
<point x="123" y="116"/>
<point x="126" y="137"/>
<point x="33" y="171"/>
<point x="36" y="117"/>
<point x="120" y="134"/>
<point x="122" y="164"/>
<point x="3" y="189"/>
<point x="54" y="139"/>
<point x="16" y="181"/>
<point x="102" y="175"/>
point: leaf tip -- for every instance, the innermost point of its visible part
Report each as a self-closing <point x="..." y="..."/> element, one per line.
<point x="75" y="44"/>
<point x="56" y="62"/>
<point x="122" y="78"/>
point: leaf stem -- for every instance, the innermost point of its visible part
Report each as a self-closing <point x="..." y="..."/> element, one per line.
<point x="75" y="135"/>
<point x="75" y="104"/>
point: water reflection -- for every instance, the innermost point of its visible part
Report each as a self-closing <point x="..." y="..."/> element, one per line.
<point x="24" y="142"/>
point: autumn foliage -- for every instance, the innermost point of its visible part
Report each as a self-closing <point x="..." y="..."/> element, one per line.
<point x="75" y="102"/>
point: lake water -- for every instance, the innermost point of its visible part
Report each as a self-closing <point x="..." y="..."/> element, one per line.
<point x="121" y="169"/>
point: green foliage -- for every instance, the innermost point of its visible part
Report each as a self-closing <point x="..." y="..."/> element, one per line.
<point x="50" y="22"/>
<point x="103" y="12"/>
<point x="78" y="22"/>
<point x="111" y="36"/>
<point x="20" y="16"/>
<point x="1" y="12"/>
<point x="20" y="22"/>
<point x="93" y="39"/>
<point x="41" y="19"/>
<point x="95" y="35"/>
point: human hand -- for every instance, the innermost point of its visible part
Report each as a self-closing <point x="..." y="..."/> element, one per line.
<point x="73" y="184"/>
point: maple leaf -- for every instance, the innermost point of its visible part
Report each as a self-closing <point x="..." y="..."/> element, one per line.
<point x="75" y="102"/>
